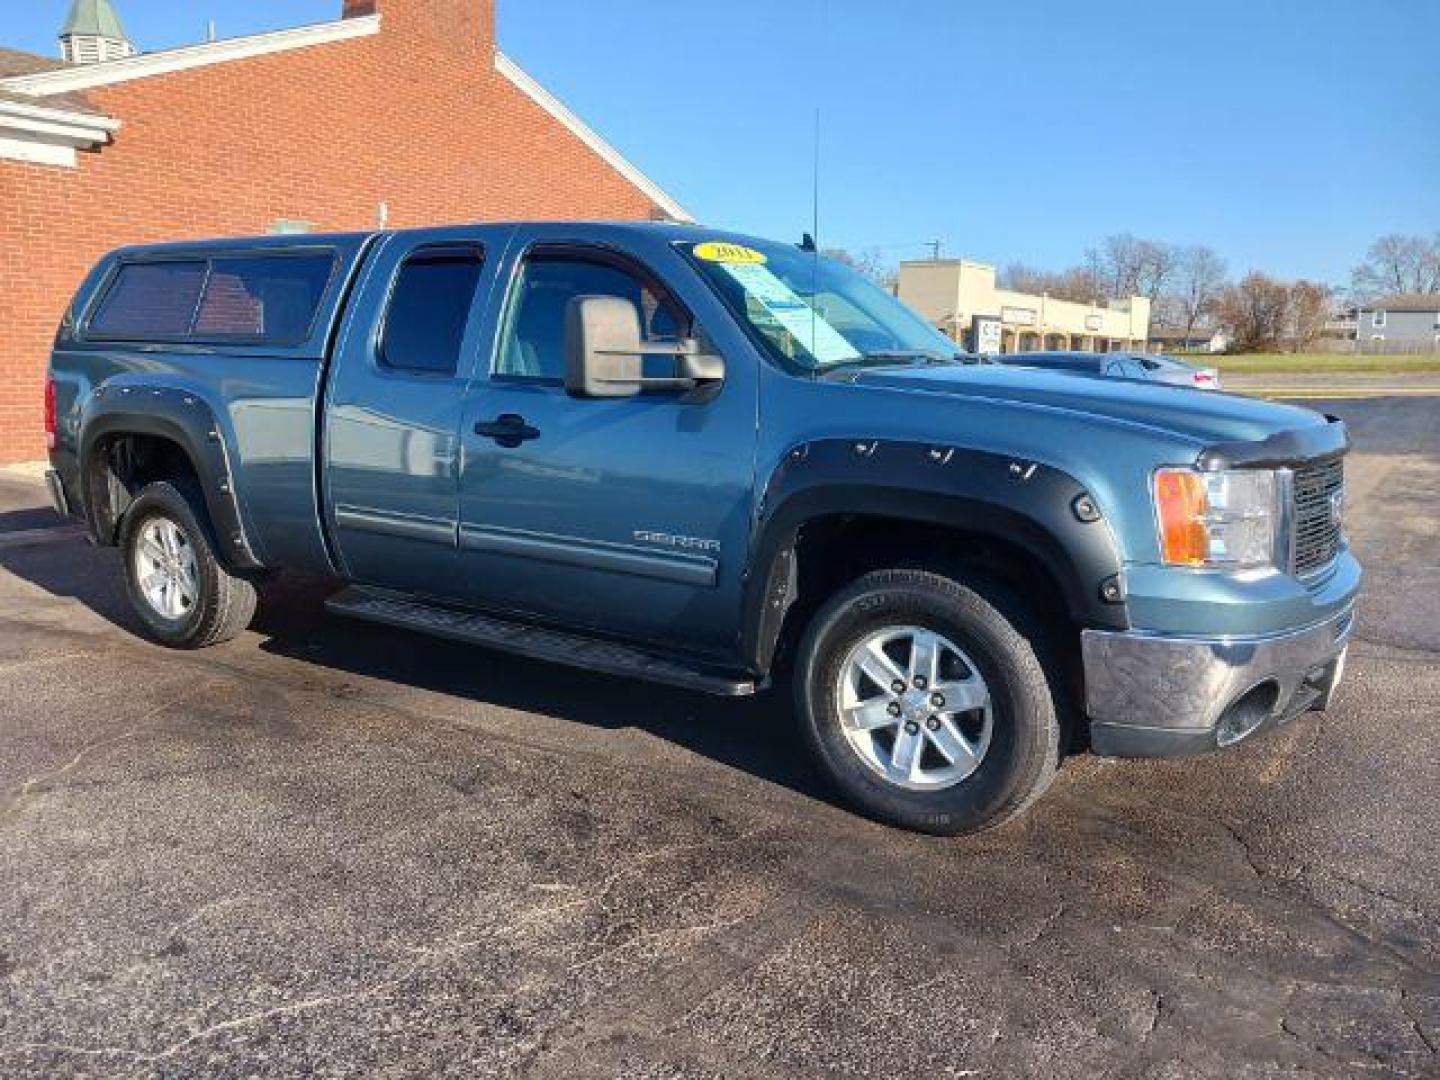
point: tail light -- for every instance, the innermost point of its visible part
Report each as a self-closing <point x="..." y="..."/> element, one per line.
<point x="51" y="426"/>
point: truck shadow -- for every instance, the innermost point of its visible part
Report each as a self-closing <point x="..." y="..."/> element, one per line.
<point x="755" y="735"/>
<point x="22" y="520"/>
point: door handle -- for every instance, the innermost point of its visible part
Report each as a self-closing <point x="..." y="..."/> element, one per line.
<point x="507" y="429"/>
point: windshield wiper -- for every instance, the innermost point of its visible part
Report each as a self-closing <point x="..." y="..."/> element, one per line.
<point x="927" y="355"/>
<point x="881" y="357"/>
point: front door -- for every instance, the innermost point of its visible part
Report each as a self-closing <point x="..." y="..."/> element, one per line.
<point x="626" y="516"/>
<point x="393" y="407"/>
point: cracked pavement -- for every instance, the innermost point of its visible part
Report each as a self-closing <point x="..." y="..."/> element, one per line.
<point x="332" y="849"/>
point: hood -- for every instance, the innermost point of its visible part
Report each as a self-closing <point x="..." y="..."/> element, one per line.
<point x="1205" y="417"/>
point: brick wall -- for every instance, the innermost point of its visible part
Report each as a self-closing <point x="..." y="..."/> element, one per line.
<point x="415" y="116"/>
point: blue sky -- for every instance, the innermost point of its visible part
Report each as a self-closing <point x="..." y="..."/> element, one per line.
<point x="1287" y="134"/>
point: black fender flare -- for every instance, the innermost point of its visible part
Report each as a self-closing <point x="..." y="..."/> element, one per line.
<point x="186" y="419"/>
<point x="1039" y="508"/>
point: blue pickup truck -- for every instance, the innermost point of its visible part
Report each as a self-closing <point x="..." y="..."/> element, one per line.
<point x="713" y="461"/>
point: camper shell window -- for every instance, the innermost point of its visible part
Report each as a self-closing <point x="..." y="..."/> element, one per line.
<point x="260" y="298"/>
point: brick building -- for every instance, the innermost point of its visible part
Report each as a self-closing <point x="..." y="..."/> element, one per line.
<point x="401" y="112"/>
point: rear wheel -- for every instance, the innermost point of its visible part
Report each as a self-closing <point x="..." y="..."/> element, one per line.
<point x="924" y="700"/>
<point x="177" y="586"/>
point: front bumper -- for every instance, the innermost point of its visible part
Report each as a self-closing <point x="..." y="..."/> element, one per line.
<point x="1153" y="695"/>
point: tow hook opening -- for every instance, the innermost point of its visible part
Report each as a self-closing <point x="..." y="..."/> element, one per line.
<point x="1247" y="713"/>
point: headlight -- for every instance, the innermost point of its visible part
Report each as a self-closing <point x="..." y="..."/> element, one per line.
<point x="1218" y="519"/>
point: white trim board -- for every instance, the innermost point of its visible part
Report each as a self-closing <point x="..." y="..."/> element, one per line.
<point x="86" y="126"/>
<point x="48" y="136"/>
<point x="145" y="65"/>
<point x="35" y="149"/>
<point x="586" y="134"/>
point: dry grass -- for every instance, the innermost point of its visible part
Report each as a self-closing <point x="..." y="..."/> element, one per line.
<point x="1319" y="364"/>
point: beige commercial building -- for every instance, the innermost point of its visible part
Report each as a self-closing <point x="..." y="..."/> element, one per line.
<point x="962" y="299"/>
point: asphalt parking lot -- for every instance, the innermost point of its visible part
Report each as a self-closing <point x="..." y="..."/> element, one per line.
<point x="332" y="849"/>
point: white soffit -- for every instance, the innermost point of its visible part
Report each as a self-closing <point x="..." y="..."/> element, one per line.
<point x="49" y="136"/>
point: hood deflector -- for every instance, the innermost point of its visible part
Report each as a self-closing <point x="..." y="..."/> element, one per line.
<point x="1294" y="447"/>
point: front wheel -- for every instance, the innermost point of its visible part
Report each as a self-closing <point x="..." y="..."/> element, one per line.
<point x="923" y="699"/>
<point x="185" y="597"/>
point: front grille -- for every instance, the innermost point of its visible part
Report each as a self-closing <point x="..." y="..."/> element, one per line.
<point x="1318" y="491"/>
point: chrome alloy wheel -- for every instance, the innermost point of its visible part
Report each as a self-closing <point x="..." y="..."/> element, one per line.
<point x="915" y="708"/>
<point x="165" y="568"/>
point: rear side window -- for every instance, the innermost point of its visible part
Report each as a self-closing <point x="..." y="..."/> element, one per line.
<point x="425" y="324"/>
<point x="269" y="299"/>
<point x="151" y="300"/>
<point x="266" y="299"/>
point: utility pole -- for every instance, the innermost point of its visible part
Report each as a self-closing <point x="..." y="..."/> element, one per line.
<point x="934" y="247"/>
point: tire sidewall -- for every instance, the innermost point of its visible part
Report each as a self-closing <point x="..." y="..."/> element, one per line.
<point x="1022" y="720"/>
<point x="163" y="500"/>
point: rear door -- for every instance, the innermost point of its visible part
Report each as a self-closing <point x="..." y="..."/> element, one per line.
<point x="627" y="516"/>
<point x="394" y="402"/>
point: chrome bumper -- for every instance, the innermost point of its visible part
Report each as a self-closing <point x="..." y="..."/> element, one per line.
<point x="1150" y="695"/>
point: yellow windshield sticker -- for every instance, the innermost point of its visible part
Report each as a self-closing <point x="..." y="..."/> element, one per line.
<point x="734" y="254"/>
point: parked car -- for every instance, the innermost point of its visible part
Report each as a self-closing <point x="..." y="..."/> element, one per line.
<point x="1143" y="367"/>
<point x="712" y="461"/>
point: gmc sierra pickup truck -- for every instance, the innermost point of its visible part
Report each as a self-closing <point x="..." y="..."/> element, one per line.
<point x="713" y="461"/>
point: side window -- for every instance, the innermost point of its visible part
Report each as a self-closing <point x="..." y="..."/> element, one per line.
<point x="150" y="300"/>
<point x="533" y="342"/>
<point x="269" y="299"/>
<point x="273" y="298"/>
<point x="429" y="306"/>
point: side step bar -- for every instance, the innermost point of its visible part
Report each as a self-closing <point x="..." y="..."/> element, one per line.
<point x="533" y="641"/>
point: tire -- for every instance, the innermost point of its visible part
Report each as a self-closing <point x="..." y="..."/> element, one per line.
<point x="984" y="632"/>
<point x="205" y="603"/>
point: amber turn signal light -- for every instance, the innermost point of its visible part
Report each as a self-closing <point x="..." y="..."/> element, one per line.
<point x="1183" y="504"/>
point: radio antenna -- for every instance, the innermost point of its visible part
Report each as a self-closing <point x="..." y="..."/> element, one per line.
<point x="815" y="234"/>
<point x="815" y="183"/>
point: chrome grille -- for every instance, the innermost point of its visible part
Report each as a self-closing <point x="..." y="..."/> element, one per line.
<point x="1318" y="491"/>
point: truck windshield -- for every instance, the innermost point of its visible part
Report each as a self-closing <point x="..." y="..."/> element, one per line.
<point x="814" y="314"/>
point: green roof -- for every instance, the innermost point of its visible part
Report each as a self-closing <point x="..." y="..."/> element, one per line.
<point x="94" y="18"/>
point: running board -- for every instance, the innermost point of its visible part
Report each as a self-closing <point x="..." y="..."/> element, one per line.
<point x="533" y="641"/>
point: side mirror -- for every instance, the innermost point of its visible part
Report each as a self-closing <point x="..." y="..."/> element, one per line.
<point x="604" y="356"/>
<point x="697" y="367"/>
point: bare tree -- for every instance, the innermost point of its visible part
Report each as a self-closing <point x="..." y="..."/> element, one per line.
<point x="1199" y="277"/>
<point x="1021" y="277"/>
<point x="1398" y="264"/>
<point x="1094" y="266"/>
<point x="1126" y="265"/>
<point x="1309" y="310"/>
<point x="1118" y="264"/>
<point x="1157" y="267"/>
<point x="1255" y="312"/>
<point x="868" y="262"/>
<point x="1074" y="284"/>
